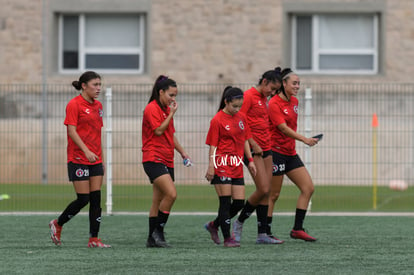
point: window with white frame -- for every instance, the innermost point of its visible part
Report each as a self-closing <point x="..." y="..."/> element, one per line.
<point x="335" y="43"/>
<point x="105" y="42"/>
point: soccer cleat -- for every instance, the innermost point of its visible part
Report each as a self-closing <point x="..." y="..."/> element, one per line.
<point x="276" y="238"/>
<point x="237" y="230"/>
<point x="230" y="242"/>
<point x="151" y="242"/>
<point x="266" y="239"/>
<point x="55" y="231"/>
<point x="159" y="239"/>
<point x="95" y="242"/>
<point x="301" y="234"/>
<point x="213" y="232"/>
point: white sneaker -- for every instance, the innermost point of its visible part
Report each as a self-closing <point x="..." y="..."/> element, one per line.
<point x="237" y="230"/>
<point x="266" y="239"/>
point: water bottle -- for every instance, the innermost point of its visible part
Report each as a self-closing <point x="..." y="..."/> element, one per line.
<point x="187" y="162"/>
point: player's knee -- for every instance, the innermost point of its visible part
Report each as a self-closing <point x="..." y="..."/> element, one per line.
<point x="274" y="196"/>
<point x="171" y="196"/>
<point x="237" y="205"/>
<point x="308" y="191"/>
<point x="82" y="200"/>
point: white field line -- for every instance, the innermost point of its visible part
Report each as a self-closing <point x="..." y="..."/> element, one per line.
<point x="320" y="214"/>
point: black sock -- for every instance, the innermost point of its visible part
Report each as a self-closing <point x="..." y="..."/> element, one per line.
<point x="162" y="220"/>
<point x="235" y="207"/>
<point x="152" y="222"/>
<point x="261" y="211"/>
<point x="224" y="215"/>
<point x="246" y="212"/>
<point x="73" y="208"/>
<point x="269" y="226"/>
<point x="216" y="222"/>
<point x="95" y="212"/>
<point x="299" y="217"/>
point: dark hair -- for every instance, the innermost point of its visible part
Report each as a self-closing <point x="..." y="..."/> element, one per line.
<point x="229" y="94"/>
<point x="272" y="75"/>
<point x="85" y="78"/>
<point x="161" y="83"/>
<point x="285" y="75"/>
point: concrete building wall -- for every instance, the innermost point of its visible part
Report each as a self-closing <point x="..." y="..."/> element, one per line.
<point x="199" y="41"/>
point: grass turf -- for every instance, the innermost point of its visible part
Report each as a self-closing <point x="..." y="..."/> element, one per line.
<point x="38" y="197"/>
<point x="346" y="245"/>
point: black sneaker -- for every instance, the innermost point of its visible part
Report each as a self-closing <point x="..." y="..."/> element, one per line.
<point x="159" y="239"/>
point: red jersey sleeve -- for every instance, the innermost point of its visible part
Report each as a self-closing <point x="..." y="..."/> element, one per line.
<point x="213" y="133"/>
<point x="72" y="113"/>
<point x="155" y="118"/>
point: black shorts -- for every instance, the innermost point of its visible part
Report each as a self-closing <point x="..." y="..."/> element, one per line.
<point x="155" y="169"/>
<point x="283" y="163"/>
<point x="80" y="172"/>
<point x="225" y="180"/>
<point x="265" y="155"/>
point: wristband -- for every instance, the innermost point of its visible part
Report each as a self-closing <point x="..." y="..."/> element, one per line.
<point x="250" y="159"/>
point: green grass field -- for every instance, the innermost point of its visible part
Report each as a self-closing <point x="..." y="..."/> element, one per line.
<point x="346" y="245"/>
<point x="30" y="197"/>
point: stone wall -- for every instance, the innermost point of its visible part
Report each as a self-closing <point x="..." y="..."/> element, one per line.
<point x="198" y="41"/>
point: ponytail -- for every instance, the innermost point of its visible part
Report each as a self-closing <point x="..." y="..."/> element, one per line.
<point x="229" y="94"/>
<point x="161" y="83"/>
<point x="85" y="78"/>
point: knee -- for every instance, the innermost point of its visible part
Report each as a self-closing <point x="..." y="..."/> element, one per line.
<point x="308" y="190"/>
<point x="95" y="199"/>
<point x="237" y="205"/>
<point x="274" y="196"/>
<point x="171" y="196"/>
<point x="263" y="191"/>
<point x="83" y="200"/>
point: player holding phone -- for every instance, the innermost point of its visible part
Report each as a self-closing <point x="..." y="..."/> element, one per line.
<point x="283" y="113"/>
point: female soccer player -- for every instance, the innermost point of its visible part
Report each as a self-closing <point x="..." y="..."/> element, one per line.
<point x="85" y="163"/>
<point x="227" y="138"/>
<point x="158" y="144"/>
<point x="283" y="111"/>
<point x="256" y="112"/>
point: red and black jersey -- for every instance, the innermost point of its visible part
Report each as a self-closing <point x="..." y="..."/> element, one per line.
<point x="157" y="148"/>
<point x="87" y="117"/>
<point x="281" y="111"/>
<point x="228" y="133"/>
<point x="256" y="111"/>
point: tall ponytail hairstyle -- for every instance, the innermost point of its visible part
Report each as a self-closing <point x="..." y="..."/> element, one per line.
<point x="161" y="83"/>
<point x="85" y="78"/>
<point x="229" y="94"/>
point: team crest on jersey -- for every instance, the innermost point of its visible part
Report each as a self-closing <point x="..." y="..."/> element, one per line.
<point x="241" y="125"/>
<point x="295" y="108"/>
<point x="87" y="111"/>
<point x="286" y="111"/>
<point x="259" y="103"/>
<point x="100" y="112"/>
<point x="227" y="127"/>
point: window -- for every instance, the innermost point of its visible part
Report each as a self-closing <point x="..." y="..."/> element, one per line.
<point x="105" y="42"/>
<point x="335" y="43"/>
